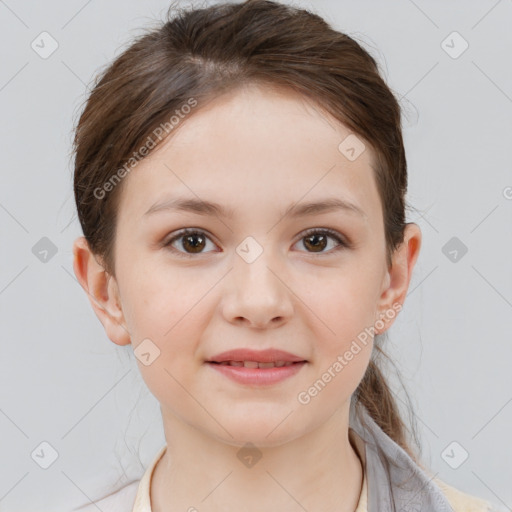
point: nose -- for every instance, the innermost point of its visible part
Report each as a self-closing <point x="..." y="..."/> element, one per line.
<point x="256" y="292"/>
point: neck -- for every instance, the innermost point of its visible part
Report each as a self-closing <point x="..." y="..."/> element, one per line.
<point x="320" y="471"/>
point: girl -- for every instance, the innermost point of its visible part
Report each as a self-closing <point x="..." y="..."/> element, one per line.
<point x="240" y="180"/>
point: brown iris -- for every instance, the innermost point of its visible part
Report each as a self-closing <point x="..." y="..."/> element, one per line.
<point x="318" y="242"/>
<point x="194" y="247"/>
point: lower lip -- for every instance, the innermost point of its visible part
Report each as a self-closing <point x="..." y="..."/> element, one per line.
<point x="258" y="376"/>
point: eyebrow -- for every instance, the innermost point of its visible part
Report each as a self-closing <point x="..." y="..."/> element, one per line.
<point x="202" y="207"/>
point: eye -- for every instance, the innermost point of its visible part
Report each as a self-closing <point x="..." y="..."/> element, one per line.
<point x="317" y="240"/>
<point x="193" y="241"/>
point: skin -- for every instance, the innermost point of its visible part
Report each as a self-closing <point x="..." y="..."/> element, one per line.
<point x="256" y="151"/>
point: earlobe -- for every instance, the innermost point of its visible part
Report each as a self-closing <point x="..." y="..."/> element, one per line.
<point x="102" y="291"/>
<point x="398" y="277"/>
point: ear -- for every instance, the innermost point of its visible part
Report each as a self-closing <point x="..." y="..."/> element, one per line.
<point x="398" y="276"/>
<point x="102" y="290"/>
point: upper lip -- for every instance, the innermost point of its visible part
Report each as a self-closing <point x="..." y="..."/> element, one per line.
<point x="270" y="355"/>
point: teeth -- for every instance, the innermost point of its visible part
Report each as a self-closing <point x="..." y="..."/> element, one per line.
<point x="255" y="364"/>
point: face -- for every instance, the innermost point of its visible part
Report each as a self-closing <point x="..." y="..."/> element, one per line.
<point x="251" y="277"/>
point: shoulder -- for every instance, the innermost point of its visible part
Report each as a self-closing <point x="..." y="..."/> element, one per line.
<point x="463" y="502"/>
<point x="119" y="501"/>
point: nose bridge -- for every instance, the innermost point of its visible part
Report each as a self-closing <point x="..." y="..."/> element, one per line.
<point x="258" y="293"/>
<point x="255" y="263"/>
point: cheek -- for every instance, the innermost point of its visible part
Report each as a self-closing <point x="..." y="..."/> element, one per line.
<point x="160" y="299"/>
<point x="346" y="306"/>
<point x="342" y="356"/>
<point x="164" y="305"/>
<point x="344" y="336"/>
<point x="173" y="322"/>
<point x="339" y="375"/>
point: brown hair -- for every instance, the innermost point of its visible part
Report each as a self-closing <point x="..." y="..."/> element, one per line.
<point x="202" y="53"/>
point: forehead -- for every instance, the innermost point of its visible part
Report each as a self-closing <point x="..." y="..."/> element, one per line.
<point x="252" y="148"/>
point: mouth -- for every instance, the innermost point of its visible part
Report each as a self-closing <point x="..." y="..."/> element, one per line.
<point x="256" y="373"/>
<point x="257" y="364"/>
<point x="248" y="358"/>
<point x="257" y="367"/>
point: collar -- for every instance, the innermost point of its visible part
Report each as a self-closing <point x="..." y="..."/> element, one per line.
<point x="395" y="480"/>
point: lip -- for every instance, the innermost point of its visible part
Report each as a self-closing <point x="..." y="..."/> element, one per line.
<point x="270" y="355"/>
<point x="257" y="376"/>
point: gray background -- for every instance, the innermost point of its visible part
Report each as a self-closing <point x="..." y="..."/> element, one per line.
<point x="63" y="382"/>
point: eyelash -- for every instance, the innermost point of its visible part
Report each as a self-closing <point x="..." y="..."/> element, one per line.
<point x="325" y="231"/>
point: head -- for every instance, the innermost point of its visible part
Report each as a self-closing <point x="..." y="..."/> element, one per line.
<point x="201" y="109"/>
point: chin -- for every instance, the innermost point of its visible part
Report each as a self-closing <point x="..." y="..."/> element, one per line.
<point x="263" y="433"/>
